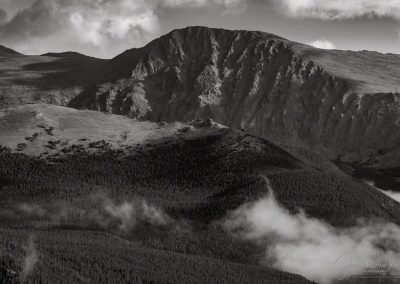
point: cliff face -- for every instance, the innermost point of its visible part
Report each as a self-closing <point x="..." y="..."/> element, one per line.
<point x="250" y="80"/>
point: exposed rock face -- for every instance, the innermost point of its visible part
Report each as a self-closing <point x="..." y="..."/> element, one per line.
<point x="253" y="81"/>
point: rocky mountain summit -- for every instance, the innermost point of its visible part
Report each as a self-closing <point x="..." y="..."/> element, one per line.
<point x="344" y="104"/>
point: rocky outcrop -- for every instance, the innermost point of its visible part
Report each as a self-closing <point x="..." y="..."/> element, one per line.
<point x="249" y="80"/>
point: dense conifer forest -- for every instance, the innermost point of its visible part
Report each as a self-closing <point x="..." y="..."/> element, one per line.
<point x="195" y="182"/>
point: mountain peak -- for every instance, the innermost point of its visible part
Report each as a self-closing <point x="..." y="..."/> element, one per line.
<point x="198" y="30"/>
<point x="203" y="33"/>
<point x="259" y="82"/>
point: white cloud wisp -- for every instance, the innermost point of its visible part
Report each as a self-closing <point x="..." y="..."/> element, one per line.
<point x="323" y="44"/>
<point x="313" y="248"/>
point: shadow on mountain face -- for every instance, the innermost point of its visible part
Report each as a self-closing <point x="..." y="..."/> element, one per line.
<point x="61" y="72"/>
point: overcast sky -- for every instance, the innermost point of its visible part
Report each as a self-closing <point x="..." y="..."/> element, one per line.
<point x="104" y="28"/>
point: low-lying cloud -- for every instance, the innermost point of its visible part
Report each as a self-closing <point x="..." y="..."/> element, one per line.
<point x="98" y="213"/>
<point x="313" y="248"/>
<point x="127" y="215"/>
<point x="30" y="259"/>
<point x="102" y="213"/>
<point x="323" y="44"/>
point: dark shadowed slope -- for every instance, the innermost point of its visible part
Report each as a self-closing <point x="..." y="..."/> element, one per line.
<point x="6" y="52"/>
<point x="54" y="78"/>
<point x="336" y="102"/>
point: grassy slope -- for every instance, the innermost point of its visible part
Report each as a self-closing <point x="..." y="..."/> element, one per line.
<point x="42" y="128"/>
<point x="367" y="71"/>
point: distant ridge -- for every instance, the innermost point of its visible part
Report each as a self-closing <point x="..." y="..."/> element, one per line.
<point x="67" y="54"/>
